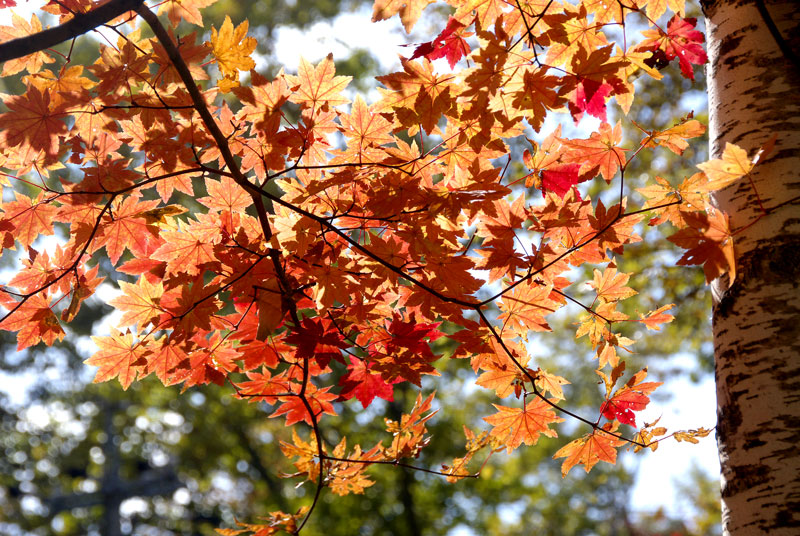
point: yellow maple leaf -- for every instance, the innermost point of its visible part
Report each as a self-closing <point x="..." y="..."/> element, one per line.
<point x="232" y="48"/>
<point x="724" y="171"/>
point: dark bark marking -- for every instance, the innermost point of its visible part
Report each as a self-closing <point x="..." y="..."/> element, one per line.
<point x="743" y="477"/>
<point x="729" y="44"/>
<point x="775" y="262"/>
<point x="729" y="416"/>
<point x="787" y="516"/>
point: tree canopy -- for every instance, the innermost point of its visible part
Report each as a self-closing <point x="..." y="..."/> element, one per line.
<point x="298" y="246"/>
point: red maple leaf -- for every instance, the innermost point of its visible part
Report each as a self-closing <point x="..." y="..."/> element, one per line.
<point x="295" y="409"/>
<point x="590" y="97"/>
<point x="319" y="339"/>
<point x="412" y="335"/>
<point x="629" y="398"/>
<point x="449" y="44"/>
<point x="681" y="41"/>
<point x="362" y="384"/>
<point x="560" y="178"/>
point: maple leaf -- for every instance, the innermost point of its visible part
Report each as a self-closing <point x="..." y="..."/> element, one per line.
<point x="305" y="452"/>
<point x="83" y="288"/>
<point x="210" y="361"/>
<point x="33" y="319"/>
<point x="409" y="10"/>
<point x="168" y="361"/>
<point x="185" y="250"/>
<point x="276" y="523"/>
<point x="32" y="123"/>
<point x="525" y="307"/>
<point x="232" y="48"/>
<point x="365" y="131"/>
<point x="690" y="436"/>
<point x="263" y="387"/>
<point x="412" y="335"/>
<point x="709" y="242"/>
<point x="28" y="218"/>
<point x="459" y="466"/>
<point x="360" y="383"/>
<point x="417" y="96"/>
<point x="537" y="96"/>
<point x="22" y="28"/>
<point x="410" y="433"/>
<point x="654" y="319"/>
<point x="317" y="87"/>
<point x="590" y="97"/>
<point x="320" y="339"/>
<point x="514" y="426"/>
<point x="610" y="285"/>
<point x="590" y="449"/>
<point x="449" y="44"/>
<point x="502" y="373"/>
<point x="139" y="303"/>
<point x="188" y="10"/>
<point x="599" y="152"/>
<point x="633" y="396"/>
<point x="119" y="357"/>
<point x="674" y="138"/>
<point x="295" y="409"/>
<point x="722" y="172"/>
<point x="345" y="477"/>
<point x="127" y="228"/>
<point x="560" y="179"/>
<point x="550" y="383"/>
<point x="225" y="194"/>
<point x="681" y="41"/>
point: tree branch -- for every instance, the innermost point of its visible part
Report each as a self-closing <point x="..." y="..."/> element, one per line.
<point x="80" y="24"/>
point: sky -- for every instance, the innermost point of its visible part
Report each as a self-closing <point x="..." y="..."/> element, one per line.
<point x="690" y="406"/>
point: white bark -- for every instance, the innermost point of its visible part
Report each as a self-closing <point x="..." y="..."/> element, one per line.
<point x="754" y="92"/>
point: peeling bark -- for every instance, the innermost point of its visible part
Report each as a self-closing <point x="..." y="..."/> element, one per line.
<point x="754" y="92"/>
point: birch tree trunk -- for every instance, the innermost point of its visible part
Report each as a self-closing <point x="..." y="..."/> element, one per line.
<point x="754" y="92"/>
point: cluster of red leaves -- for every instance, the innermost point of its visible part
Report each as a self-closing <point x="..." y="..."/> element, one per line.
<point x="339" y="289"/>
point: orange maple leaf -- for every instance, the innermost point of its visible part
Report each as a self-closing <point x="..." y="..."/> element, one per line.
<point x="654" y="319"/>
<point x="31" y="124"/>
<point x="409" y="10"/>
<point x="168" y="361"/>
<point x="610" y="285"/>
<point x="295" y="409"/>
<point x="34" y="321"/>
<point x="317" y="87"/>
<point x="188" y="10"/>
<point x="22" y="28"/>
<point x="514" y="426"/>
<point x="119" y="357"/>
<point x="590" y="449"/>
<point x="674" y="138"/>
<point x="28" y="218"/>
<point x="710" y="243"/>
<point x="525" y="307"/>
<point x="599" y="153"/>
<point x="139" y="302"/>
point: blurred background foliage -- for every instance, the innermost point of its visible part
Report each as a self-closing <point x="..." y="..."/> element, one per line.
<point x="87" y="459"/>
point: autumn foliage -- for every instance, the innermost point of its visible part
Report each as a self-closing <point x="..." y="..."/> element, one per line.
<point x="307" y="248"/>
